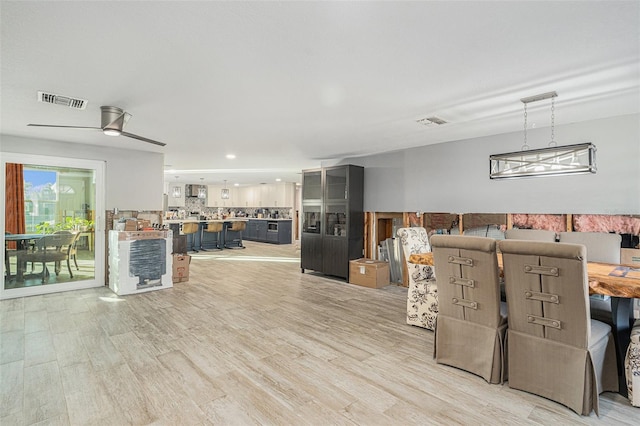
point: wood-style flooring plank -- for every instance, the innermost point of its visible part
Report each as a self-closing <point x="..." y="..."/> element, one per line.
<point x="128" y="395"/>
<point x="11" y="347"/>
<point x="38" y="348"/>
<point x="11" y="390"/>
<point x="198" y="386"/>
<point x="87" y="399"/>
<point x="11" y="320"/>
<point x="44" y="398"/>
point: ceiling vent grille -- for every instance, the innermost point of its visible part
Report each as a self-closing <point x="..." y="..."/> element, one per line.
<point x="430" y="121"/>
<point x="50" y="98"/>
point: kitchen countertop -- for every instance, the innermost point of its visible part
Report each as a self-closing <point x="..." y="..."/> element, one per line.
<point x="229" y="219"/>
<point x="262" y="218"/>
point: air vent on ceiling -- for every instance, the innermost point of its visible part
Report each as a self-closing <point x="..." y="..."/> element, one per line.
<point x="430" y="121"/>
<point x="50" y="98"/>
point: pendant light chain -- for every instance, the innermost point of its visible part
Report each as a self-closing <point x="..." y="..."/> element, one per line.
<point x="525" y="146"/>
<point x="553" y="122"/>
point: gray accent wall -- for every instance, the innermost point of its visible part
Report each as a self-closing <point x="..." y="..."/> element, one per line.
<point x="454" y="176"/>
<point x="134" y="179"/>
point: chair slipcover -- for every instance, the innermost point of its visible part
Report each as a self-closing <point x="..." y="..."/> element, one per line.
<point x="530" y="235"/>
<point x="422" y="296"/>
<point x="554" y="349"/>
<point x="632" y="365"/>
<point x="601" y="247"/>
<point x="470" y="329"/>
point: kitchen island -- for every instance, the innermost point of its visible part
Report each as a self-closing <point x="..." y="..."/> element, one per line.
<point x="276" y="231"/>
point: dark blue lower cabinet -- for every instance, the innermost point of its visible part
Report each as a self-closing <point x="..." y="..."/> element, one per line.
<point x="268" y="231"/>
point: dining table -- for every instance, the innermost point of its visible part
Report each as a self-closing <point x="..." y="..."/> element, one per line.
<point x="618" y="281"/>
<point x="22" y="241"/>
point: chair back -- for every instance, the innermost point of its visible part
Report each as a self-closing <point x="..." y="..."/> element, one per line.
<point x="530" y="235"/>
<point x="468" y="278"/>
<point x="601" y="246"/>
<point x="70" y="248"/>
<point x="239" y="225"/>
<point x="547" y="290"/>
<point x="190" y="227"/>
<point x="214" y="227"/>
<point x="56" y="242"/>
<point x="414" y="240"/>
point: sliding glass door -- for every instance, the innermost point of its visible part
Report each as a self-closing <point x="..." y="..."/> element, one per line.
<point x="53" y="224"/>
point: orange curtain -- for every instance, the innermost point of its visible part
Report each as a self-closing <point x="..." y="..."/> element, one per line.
<point x="14" y="220"/>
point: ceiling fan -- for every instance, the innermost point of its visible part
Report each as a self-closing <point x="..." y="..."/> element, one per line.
<point x="112" y="123"/>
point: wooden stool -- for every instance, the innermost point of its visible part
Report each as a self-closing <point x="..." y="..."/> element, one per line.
<point x="190" y="229"/>
<point x="237" y="227"/>
<point x="213" y="228"/>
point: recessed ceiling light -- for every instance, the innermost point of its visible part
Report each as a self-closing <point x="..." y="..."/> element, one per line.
<point x="278" y="180"/>
<point x="236" y="184"/>
<point x="231" y="156"/>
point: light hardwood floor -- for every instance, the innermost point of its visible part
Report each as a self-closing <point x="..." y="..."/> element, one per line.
<point x="248" y="340"/>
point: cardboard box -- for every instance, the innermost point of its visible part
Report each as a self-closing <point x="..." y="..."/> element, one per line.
<point x="181" y="267"/>
<point x="369" y="273"/>
<point x="179" y="244"/>
<point x="630" y="256"/>
<point x="131" y="225"/>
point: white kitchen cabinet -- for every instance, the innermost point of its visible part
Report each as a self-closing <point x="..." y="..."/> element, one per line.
<point x="277" y="195"/>
<point x="246" y="196"/>
<point x="214" y="196"/>
<point x="173" y="201"/>
<point x="265" y="195"/>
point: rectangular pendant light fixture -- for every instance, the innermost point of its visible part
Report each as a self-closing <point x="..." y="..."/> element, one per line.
<point x="553" y="160"/>
<point x="550" y="161"/>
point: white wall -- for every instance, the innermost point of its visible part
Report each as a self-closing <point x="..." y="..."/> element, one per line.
<point x="454" y="177"/>
<point x="133" y="178"/>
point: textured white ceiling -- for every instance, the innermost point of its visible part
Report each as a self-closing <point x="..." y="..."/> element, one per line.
<point x="284" y="85"/>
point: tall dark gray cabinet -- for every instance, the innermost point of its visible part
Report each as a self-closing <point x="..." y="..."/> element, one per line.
<point x="332" y="219"/>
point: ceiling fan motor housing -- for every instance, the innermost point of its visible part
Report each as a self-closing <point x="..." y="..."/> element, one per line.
<point x="113" y="118"/>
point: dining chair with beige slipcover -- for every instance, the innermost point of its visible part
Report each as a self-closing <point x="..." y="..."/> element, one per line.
<point x="472" y="322"/>
<point x="422" y="295"/>
<point x="530" y="234"/>
<point x="601" y="247"/>
<point x="555" y="349"/>
<point x="632" y="365"/>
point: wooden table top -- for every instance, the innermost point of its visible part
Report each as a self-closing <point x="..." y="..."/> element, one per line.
<point x="604" y="278"/>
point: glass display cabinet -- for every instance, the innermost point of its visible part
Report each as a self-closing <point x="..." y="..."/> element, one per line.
<point x="332" y="219"/>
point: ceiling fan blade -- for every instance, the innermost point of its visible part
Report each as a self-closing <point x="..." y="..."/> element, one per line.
<point x="131" y="135"/>
<point x="65" y="127"/>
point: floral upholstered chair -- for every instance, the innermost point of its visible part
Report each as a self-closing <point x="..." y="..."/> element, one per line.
<point x="632" y="364"/>
<point x="422" y="297"/>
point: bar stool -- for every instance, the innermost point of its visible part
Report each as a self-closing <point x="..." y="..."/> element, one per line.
<point x="213" y="228"/>
<point x="237" y="227"/>
<point x="190" y="229"/>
